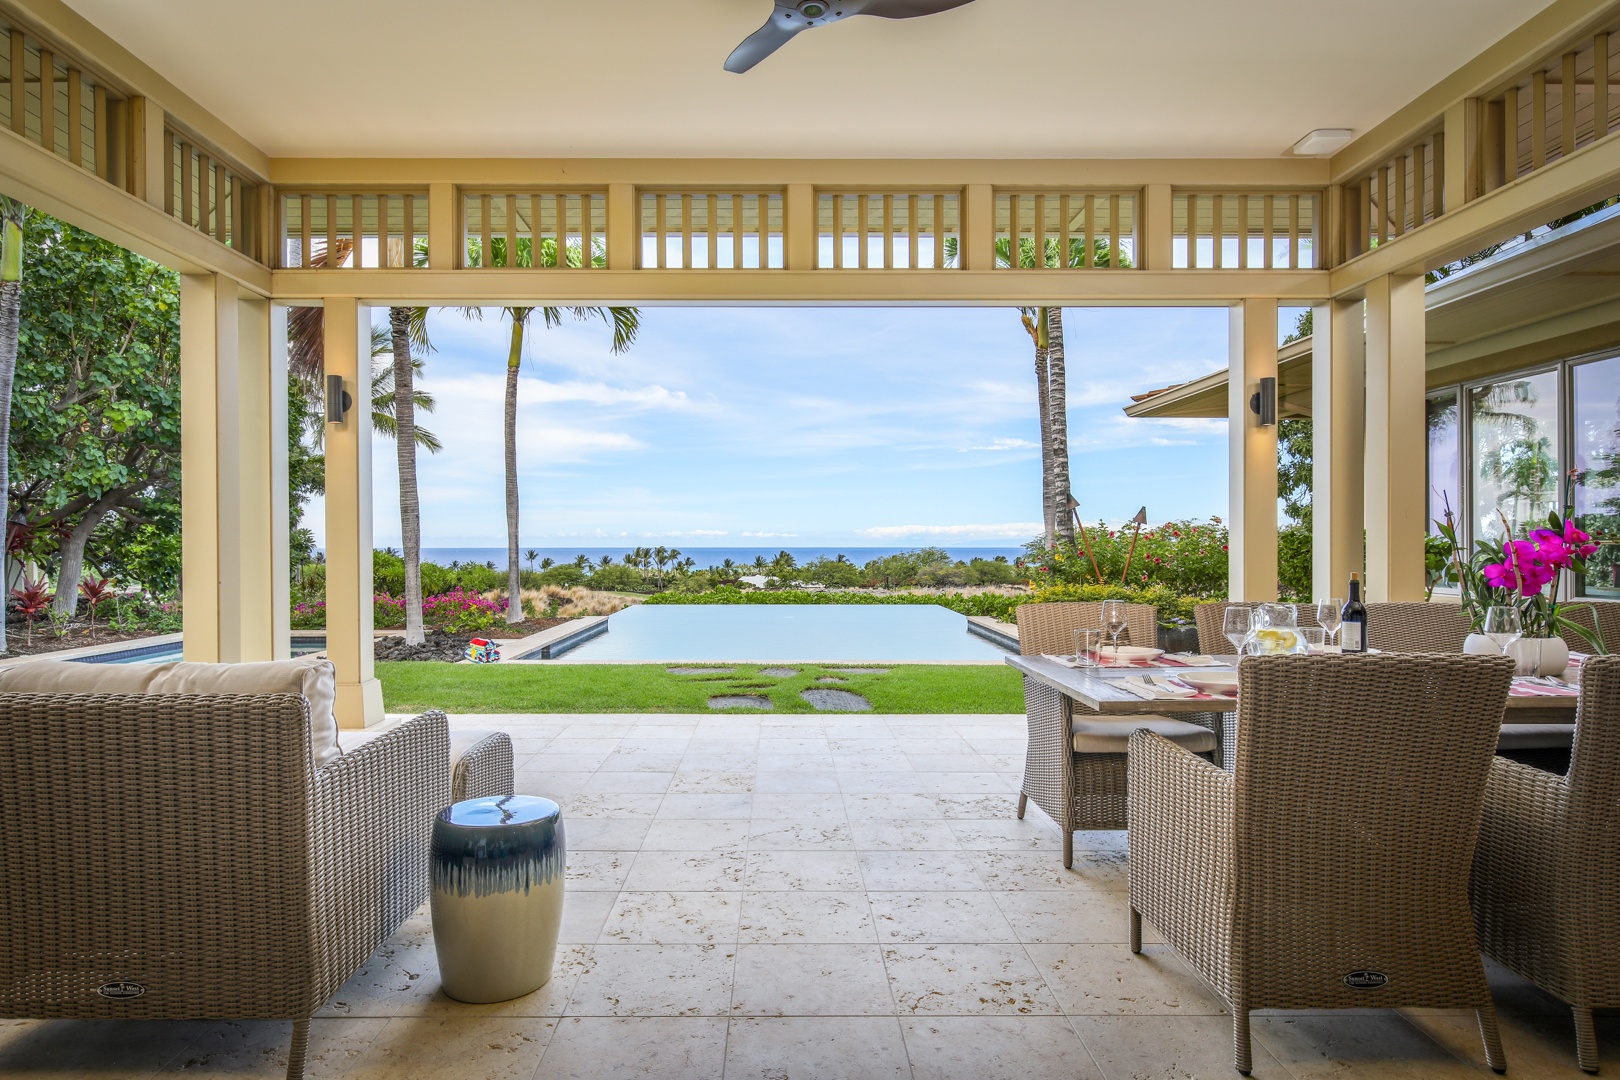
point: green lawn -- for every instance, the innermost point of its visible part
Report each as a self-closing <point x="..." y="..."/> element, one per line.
<point x="613" y="688"/>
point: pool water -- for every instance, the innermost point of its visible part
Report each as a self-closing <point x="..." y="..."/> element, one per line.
<point x="764" y="633"/>
<point x="160" y="654"/>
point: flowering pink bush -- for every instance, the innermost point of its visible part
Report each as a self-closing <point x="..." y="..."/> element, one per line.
<point x="460" y="611"/>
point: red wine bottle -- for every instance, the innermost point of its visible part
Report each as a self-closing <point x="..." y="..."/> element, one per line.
<point x="1353" y="625"/>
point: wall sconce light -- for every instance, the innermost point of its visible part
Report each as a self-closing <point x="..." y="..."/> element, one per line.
<point x="1263" y="402"/>
<point x="338" y="401"/>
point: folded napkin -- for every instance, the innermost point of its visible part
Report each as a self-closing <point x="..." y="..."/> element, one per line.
<point x="1193" y="660"/>
<point x="1154" y="689"/>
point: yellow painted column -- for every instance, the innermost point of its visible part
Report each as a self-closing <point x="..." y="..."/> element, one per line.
<point x="208" y="337"/>
<point x="1158" y="250"/>
<point x="348" y="518"/>
<point x="444" y="228"/>
<point x="279" y="495"/>
<point x="1338" y="445"/>
<point x="234" y="475"/>
<point x="801" y="232"/>
<point x="1252" y="491"/>
<point x="1397" y="441"/>
<point x="624" y="227"/>
<point x="977" y="247"/>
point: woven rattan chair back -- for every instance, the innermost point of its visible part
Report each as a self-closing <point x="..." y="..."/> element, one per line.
<point x="1049" y="628"/>
<point x="1603" y="616"/>
<point x="1548" y="865"/>
<point x="1416" y="626"/>
<point x="1357" y="794"/>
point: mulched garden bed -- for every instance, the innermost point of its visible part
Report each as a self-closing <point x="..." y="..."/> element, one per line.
<point x="442" y="645"/>
<point x="77" y="637"/>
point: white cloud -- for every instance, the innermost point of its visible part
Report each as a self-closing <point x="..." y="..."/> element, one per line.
<point x="1014" y="530"/>
<point x="999" y="445"/>
<point x="771" y="535"/>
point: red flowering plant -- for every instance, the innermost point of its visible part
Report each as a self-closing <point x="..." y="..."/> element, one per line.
<point x="1522" y="573"/>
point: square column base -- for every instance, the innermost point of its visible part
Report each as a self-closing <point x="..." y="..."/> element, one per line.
<point x="359" y="705"/>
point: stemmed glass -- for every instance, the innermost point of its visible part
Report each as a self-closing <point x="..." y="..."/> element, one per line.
<point x="1113" y="620"/>
<point x="1502" y="626"/>
<point x="1236" y="625"/>
<point x="1329" y="614"/>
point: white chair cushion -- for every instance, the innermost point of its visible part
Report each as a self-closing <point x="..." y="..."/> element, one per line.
<point x="313" y="678"/>
<point x="1536" y="737"/>
<point x="1113" y="736"/>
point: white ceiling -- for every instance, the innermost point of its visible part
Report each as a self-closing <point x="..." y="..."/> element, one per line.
<point x="642" y="78"/>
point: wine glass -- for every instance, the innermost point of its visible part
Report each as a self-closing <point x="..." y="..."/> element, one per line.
<point x="1329" y="614"/>
<point x="1236" y="625"/>
<point x="1113" y="620"/>
<point x="1502" y="626"/>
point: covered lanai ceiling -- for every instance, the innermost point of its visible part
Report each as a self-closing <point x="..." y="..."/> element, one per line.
<point x="643" y="78"/>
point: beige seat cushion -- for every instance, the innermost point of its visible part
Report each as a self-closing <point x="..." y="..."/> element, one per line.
<point x="1536" y="737"/>
<point x="312" y="677"/>
<point x="1113" y="736"/>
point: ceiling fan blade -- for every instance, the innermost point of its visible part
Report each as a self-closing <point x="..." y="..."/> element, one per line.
<point x="761" y="43"/>
<point x="909" y="9"/>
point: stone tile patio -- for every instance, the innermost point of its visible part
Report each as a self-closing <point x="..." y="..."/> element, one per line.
<point x="809" y="898"/>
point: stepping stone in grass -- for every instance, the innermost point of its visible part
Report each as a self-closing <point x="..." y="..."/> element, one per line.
<point x="836" y="700"/>
<point x="831" y="679"/>
<point x="740" y="701"/>
<point x="860" y="670"/>
<point x="700" y="670"/>
<point x="779" y="672"/>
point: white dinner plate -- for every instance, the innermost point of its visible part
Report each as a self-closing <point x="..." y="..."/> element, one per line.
<point x="1127" y="653"/>
<point x="1211" y="682"/>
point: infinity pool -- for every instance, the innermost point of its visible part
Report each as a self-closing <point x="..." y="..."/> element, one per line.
<point x="162" y="654"/>
<point x="843" y="633"/>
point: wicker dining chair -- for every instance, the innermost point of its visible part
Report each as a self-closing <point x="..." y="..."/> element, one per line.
<point x="1329" y="869"/>
<point x="1074" y="767"/>
<point x="1547" y="868"/>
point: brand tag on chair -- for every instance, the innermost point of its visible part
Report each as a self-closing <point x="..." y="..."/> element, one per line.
<point x="121" y="991"/>
<point x="1365" y="980"/>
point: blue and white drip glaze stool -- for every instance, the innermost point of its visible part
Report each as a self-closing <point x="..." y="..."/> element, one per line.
<point x="497" y="895"/>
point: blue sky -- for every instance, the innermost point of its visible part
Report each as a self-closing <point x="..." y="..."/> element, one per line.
<point x="763" y="427"/>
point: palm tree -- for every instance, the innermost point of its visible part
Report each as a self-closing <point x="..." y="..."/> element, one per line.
<point x="606" y="561"/>
<point x="529" y="556"/>
<point x="11" y="270"/>
<point x="1045" y="327"/>
<point x="583" y="562"/>
<point x="394" y="404"/>
<point x="625" y="323"/>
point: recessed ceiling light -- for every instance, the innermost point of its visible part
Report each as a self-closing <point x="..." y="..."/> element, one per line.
<point x="1323" y="141"/>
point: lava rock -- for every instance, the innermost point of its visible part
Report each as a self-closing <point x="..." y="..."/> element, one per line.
<point x="439" y="645"/>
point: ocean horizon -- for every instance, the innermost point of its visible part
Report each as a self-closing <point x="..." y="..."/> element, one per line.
<point x="704" y="557"/>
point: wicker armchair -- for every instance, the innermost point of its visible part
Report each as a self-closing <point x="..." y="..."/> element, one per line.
<point x="1074" y="767"/>
<point x="1548" y="866"/>
<point x="181" y="856"/>
<point x="1329" y="870"/>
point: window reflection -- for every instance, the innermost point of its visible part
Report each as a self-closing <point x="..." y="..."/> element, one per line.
<point x="1445" y="463"/>
<point x="1515" y="443"/>
<point x="1597" y="464"/>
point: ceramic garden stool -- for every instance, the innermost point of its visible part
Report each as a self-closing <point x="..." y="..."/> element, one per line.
<point x="497" y="895"/>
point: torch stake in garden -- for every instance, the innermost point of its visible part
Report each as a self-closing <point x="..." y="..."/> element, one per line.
<point x="1080" y="527"/>
<point x="1139" y="520"/>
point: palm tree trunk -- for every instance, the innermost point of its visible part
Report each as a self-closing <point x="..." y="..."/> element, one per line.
<point x="1057" y="407"/>
<point x="514" y="574"/>
<point x="11" y="240"/>
<point x="410" y="507"/>
<point x="1043" y="407"/>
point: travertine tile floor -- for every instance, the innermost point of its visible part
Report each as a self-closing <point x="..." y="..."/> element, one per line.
<point x="809" y="898"/>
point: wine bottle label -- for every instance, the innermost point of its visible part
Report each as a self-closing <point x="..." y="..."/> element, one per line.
<point x="1350" y="637"/>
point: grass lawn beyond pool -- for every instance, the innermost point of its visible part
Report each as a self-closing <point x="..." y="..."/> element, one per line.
<point x="648" y="688"/>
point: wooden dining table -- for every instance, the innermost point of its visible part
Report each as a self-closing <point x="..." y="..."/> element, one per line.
<point x="1099" y="690"/>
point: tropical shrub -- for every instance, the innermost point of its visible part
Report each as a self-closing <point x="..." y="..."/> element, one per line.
<point x="1187" y="557"/>
<point x="309" y="615"/>
<point x="1172" y="605"/>
<point x="462" y="612"/>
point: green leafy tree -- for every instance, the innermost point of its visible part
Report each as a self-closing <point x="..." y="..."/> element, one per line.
<point x="98" y="423"/>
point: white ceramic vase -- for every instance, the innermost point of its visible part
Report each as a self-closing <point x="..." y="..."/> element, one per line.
<point x="1535" y="656"/>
